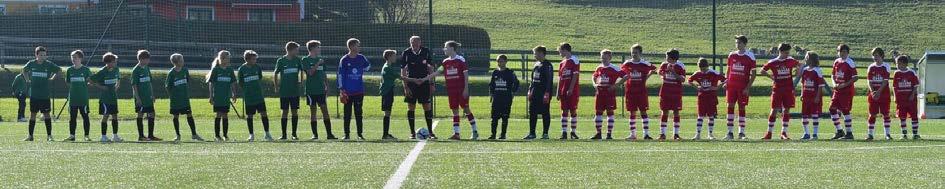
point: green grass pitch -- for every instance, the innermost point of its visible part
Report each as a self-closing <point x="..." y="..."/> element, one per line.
<point x="473" y="164"/>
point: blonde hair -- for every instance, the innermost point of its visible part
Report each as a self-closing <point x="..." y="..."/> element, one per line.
<point x="388" y="53"/>
<point x="217" y="61"/>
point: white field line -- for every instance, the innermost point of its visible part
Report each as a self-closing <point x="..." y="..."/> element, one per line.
<point x="397" y="179"/>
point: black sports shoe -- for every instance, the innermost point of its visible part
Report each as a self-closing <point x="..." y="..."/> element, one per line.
<point x="609" y="136"/>
<point x="916" y="137"/>
<point x="574" y="135"/>
<point x="596" y="137"/>
<point x="491" y="137"/>
<point x="869" y="137"/>
<point x="529" y="137"/>
<point x="849" y="136"/>
<point x="331" y="137"/>
<point x="544" y="136"/>
<point x="647" y="137"/>
<point x="564" y="135"/>
<point x="838" y="135"/>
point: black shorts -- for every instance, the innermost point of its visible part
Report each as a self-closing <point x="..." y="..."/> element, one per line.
<point x="312" y="100"/>
<point x="79" y="109"/>
<point x="537" y="107"/>
<point x="221" y="109"/>
<point x="387" y="100"/>
<point x="180" y="111"/>
<point x="107" y="109"/>
<point x="419" y="94"/>
<point x="286" y="103"/>
<point x="39" y="105"/>
<point x="139" y="109"/>
<point x="501" y="108"/>
<point x="252" y="109"/>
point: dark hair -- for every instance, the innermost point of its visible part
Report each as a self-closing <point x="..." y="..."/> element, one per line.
<point x="144" y="54"/>
<point x="353" y="41"/>
<point x="784" y="47"/>
<point x="313" y="44"/>
<point x="636" y="47"/>
<point x="564" y="46"/>
<point x="843" y="47"/>
<point x="388" y="53"/>
<point x="902" y="58"/>
<point x="291" y="45"/>
<point x="541" y="49"/>
<point x="741" y="39"/>
<point x="878" y="51"/>
<point x="813" y="56"/>
<point x="502" y="57"/>
<point x="453" y="44"/>
<point x="39" y="49"/>
<point x="673" y="53"/>
<point x="109" y="57"/>
<point x="703" y="62"/>
<point x="249" y="54"/>
<point x="78" y="53"/>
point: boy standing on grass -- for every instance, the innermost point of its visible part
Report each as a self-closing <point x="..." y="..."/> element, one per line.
<point x="20" y="90"/>
<point x="741" y="75"/>
<point x="812" y="94"/>
<point x="286" y="77"/>
<point x="220" y="80"/>
<point x="539" y="93"/>
<point x="389" y="73"/>
<point x="456" y="76"/>
<point x="316" y="88"/>
<point x="673" y="73"/>
<point x="635" y="94"/>
<point x="351" y="70"/>
<point x="502" y="88"/>
<point x="782" y="93"/>
<point x="250" y="76"/>
<point x="844" y="75"/>
<point x="568" y="90"/>
<point x="906" y="83"/>
<point x="177" y="83"/>
<point x="604" y="79"/>
<point x="144" y="97"/>
<point x="77" y="78"/>
<point x="38" y="72"/>
<point x="707" y="82"/>
<point x="108" y="80"/>
<point x="879" y="99"/>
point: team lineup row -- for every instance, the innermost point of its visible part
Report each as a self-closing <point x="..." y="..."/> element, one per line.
<point x="414" y="67"/>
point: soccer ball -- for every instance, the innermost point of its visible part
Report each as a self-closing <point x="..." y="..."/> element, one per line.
<point x="423" y="134"/>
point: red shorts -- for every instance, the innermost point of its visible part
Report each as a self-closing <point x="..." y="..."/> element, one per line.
<point x="842" y="100"/>
<point x="458" y="101"/>
<point x="708" y="105"/>
<point x="604" y="102"/>
<point x="671" y="102"/>
<point x="570" y="102"/>
<point x="907" y="109"/>
<point x="782" y="99"/>
<point x="812" y="106"/>
<point x="736" y="96"/>
<point x="879" y="107"/>
<point x="636" y="102"/>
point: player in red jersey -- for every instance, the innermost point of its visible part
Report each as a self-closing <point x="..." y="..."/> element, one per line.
<point x="636" y="96"/>
<point x="673" y="73"/>
<point x="741" y="75"/>
<point x="568" y="91"/>
<point x="812" y="96"/>
<point x="906" y="83"/>
<point x="782" y="93"/>
<point x="844" y="75"/>
<point x="878" y="76"/>
<point x="454" y="69"/>
<point x="605" y="78"/>
<point x="708" y="82"/>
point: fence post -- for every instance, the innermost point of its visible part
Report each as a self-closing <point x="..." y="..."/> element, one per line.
<point x="714" y="17"/>
<point x="527" y="79"/>
<point x="623" y="58"/>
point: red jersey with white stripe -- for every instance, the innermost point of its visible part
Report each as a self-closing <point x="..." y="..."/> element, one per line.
<point x="877" y="74"/>
<point x="844" y="70"/>
<point x="672" y="74"/>
<point x="739" y="69"/>
<point x="606" y="76"/>
<point x="454" y="70"/>
<point x="812" y="80"/>
<point x="782" y="72"/>
<point x="707" y="80"/>
<point x="636" y="73"/>
<point x="568" y="69"/>
<point x="904" y="82"/>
